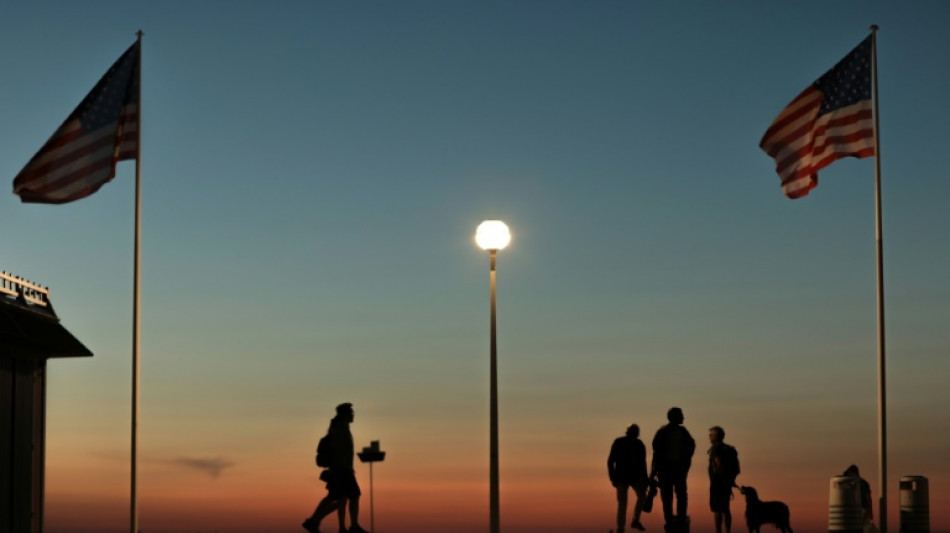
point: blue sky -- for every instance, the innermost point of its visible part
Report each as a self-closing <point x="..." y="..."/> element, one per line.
<point x="312" y="177"/>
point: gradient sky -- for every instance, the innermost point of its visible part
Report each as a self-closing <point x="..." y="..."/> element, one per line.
<point x="313" y="173"/>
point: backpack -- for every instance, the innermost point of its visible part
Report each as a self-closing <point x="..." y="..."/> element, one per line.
<point x="729" y="462"/>
<point x="324" y="451"/>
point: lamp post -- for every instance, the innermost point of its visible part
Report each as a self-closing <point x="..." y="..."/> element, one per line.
<point x="493" y="235"/>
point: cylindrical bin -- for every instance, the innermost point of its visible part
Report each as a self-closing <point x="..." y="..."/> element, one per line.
<point x="915" y="505"/>
<point x="844" y="506"/>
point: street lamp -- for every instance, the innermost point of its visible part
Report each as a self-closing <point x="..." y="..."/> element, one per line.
<point x="493" y="235"/>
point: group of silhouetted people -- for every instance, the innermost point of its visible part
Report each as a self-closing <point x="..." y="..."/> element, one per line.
<point x="673" y="449"/>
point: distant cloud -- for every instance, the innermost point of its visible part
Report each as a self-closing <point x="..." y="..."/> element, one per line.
<point x="213" y="467"/>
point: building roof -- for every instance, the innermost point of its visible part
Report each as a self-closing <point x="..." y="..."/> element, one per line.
<point x="28" y="325"/>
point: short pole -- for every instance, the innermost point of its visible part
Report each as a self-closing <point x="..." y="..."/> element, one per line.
<point x="372" y="523"/>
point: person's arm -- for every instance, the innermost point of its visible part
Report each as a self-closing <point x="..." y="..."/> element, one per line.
<point x="641" y="458"/>
<point x="692" y="448"/>
<point x="612" y="463"/>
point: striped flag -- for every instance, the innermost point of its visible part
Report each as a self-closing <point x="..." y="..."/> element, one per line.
<point x="831" y="119"/>
<point x="81" y="155"/>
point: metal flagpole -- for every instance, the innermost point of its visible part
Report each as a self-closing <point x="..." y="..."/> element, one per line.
<point x="134" y="514"/>
<point x="881" y="374"/>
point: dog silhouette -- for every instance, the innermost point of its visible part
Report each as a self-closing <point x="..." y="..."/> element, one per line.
<point x="758" y="512"/>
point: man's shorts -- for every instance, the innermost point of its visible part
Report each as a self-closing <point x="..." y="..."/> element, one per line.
<point x="638" y="486"/>
<point x="342" y="484"/>
<point x="719" y="495"/>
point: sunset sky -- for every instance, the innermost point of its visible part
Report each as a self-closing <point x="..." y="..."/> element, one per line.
<point x="313" y="173"/>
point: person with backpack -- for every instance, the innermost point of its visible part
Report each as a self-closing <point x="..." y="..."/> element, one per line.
<point x="723" y="470"/>
<point x="673" y="449"/>
<point x="335" y="453"/>
<point x="627" y="468"/>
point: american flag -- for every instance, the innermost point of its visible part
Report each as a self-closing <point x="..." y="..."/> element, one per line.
<point x="81" y="155"/>
<point x="831" y="119"/>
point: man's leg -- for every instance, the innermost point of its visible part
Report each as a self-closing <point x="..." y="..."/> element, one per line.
<point x="341" y="514"/>
<point x="621" y="506"/>
<point x="715" y="504"/>
<point x="666" y="496"/>
<point x="326" y="506"/>
<point x="354" y="511"/>
<point x="682" y="500"/>
<point x="719" y="496"/>
<point x="354" y="497"/>
<point x="641" y="492"/>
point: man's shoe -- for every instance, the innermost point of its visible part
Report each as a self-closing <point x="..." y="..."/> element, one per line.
<point x="311" y="525"/>
<point x="638" y="525"/>
<point x="356" y="529"/>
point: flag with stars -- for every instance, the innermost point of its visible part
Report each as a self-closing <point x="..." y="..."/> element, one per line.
<point x="831" y="119"/>
<point x="81" y="155"/>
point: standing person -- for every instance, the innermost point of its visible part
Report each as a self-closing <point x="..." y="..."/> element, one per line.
<point x="673" y="449"/>
<point x="867" y="511"/>
<point x="723" y="470"/>
<point x="336" y="452"/>
<point x="627" y="468"/>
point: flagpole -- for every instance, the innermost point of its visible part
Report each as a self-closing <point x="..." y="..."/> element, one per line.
<point x="136" y="302"/>
<point x="881" y="374"/>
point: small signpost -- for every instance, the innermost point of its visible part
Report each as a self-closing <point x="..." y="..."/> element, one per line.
<point x="371" y="454"/>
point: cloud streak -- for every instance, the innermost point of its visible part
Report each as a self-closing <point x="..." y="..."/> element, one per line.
<point x="214" y="467"/>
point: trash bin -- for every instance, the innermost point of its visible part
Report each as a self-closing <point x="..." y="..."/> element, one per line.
<point x="844" y="506"/>
<point x="915" y="505"/>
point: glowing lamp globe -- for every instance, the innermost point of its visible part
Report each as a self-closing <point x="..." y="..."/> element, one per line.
<point x="492" y="235"/>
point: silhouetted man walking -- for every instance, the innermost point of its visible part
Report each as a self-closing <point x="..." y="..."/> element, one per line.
<point x="723" y="469"/>
<point x="673" y="449"/>
<point x="339" y="475"/>
<point x="627" y="468"/>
